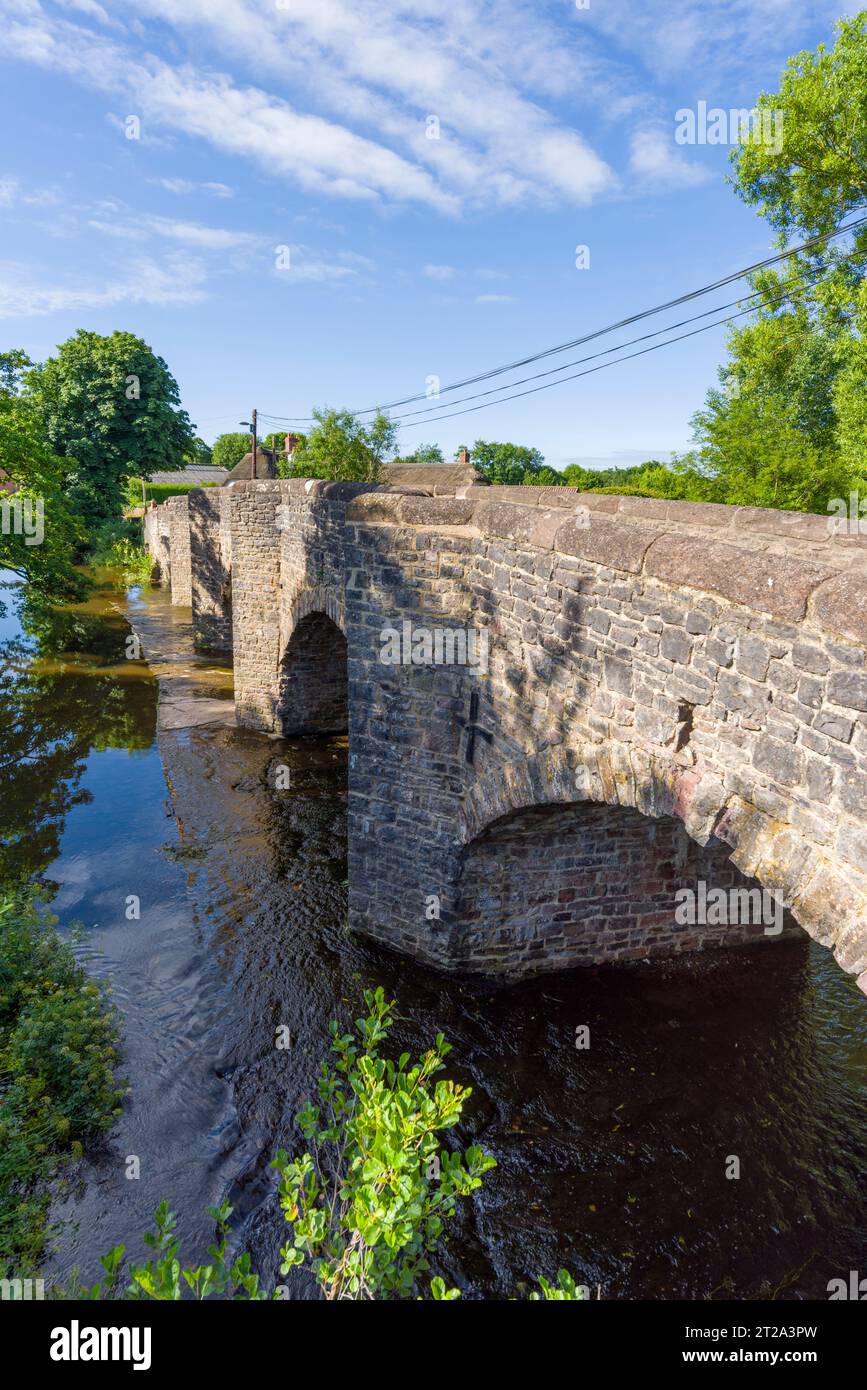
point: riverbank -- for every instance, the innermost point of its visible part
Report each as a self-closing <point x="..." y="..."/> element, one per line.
<point x="58" y="1061"/>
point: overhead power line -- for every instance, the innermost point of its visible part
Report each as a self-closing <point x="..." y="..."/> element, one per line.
<point x="741" y="274"/>
<point x="533" y="390"/>
<point x="606" y="352"/>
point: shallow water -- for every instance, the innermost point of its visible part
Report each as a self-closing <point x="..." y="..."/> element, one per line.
<point x="611" y="1161"/>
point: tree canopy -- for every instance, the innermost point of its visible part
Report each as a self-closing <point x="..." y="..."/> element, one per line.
<point x="229" y="449"/>
<point x="512" y="464"/>
<point x="41" y="535"/>
<point x="109" y="408"/>
<point x="340" y="446"/>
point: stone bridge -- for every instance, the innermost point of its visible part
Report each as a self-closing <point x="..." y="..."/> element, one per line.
<point x="643" y="697"/>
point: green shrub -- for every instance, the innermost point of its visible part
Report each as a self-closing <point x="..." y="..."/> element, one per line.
<point x="58" y="1051"/>
<point x="163" y="1279"/>
<point x="127" y="556"/>
<point x="158" y="492"/>
<point x="370" y="1203"/>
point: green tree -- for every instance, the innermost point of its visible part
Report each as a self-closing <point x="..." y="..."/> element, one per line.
<point x="342" y="447"/>
<point x="803" y="362"/>
<point x="229" y="449"/>
<point x="109" y="408"/>
<point x="40" y="535"/>
<point x="512" y="464"/>
<point x="424" y="453"/>
<point x="198" y="453"/>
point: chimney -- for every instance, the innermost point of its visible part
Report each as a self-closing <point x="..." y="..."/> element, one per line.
<point x="291" y="444"/>
<point x="464" y="456"/>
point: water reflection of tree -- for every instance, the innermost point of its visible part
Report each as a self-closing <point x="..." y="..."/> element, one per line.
<point x="66" y="688"/>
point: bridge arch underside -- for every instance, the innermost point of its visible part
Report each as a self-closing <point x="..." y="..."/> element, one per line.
<point x="587" y="855"/>
<point x="583" y="883"/>
<point x="312" y="691"/>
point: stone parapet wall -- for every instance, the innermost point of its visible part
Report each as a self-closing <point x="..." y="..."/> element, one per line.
<point x="157" y="541"/>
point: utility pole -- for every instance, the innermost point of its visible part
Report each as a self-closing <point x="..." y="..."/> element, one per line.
<point x="252" y="426"/>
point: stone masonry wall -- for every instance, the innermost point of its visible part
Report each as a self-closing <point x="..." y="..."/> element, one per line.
<point x="639" y="661"/>
<point x="696" y="664"/>
<point x="179" y="540"/>
<point x="287" y="562"/>
<point x="157" y="540"/>
<point x="313" y="696"/>
<point x="211" y="568"/>
<point x="561" y="885"/>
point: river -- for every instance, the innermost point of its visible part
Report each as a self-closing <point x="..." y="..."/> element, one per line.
<point x="611" y="1160"/>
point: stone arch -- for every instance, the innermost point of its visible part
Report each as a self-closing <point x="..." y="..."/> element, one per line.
<point x="819" y="893"/>
<point x="317" y="598"/>
<point x="312" y="693"/>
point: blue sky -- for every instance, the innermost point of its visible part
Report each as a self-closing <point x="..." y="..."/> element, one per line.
<point x="306" y="124"/>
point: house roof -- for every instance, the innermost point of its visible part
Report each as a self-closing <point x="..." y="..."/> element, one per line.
<point x="266" y="467"/>
<point x="427" y="475"/>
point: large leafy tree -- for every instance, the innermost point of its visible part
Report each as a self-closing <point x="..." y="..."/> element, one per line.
<point x="40" y="535"/>
<point x="110" y="408"/>
<point x="512" y="464"/>
<point x="342" y="447"/>
<point x="229" y="449"/>
<point x="789" y="425"/>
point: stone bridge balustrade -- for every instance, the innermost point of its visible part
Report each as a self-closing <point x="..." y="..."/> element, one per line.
<point x="672" y="692"/>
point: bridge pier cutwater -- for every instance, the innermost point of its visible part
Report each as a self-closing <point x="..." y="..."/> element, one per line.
<point x="673" y="697"/>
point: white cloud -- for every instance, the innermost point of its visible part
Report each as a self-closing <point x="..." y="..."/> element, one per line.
<point x="710" y="43"/>
<point x="658" y="163"/>
<point x="439" y="272"/>
<point x="176" y="281"/>
<point x="12" y="191"/>
<point x="190" y="233"/>
<point x="217" y="190"/>
<point x="495" y="299"/>
<point x="477" y="67"/>
<point x="309" y="266"/>
<point x="243" y="121"/>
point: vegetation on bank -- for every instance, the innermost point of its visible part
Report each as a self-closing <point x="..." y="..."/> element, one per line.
<point x="126" y="555"/>
<point x="158" y="492"/>
<point x="58" y="1053"/>
<point x="369" y="1200"/>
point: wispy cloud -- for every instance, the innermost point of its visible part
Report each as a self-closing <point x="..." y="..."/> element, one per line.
<point x="190" y="233"/>
<point x="186" y="186"/>
<point x="178" y="280"/>
<point x="308" y="266"/>
<point x="13" y="192"/>
<point x="495" y="299"/>
<point x="657" y="162"/>
<point x="439" y="272"/>
<point x="463" y="80"/>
